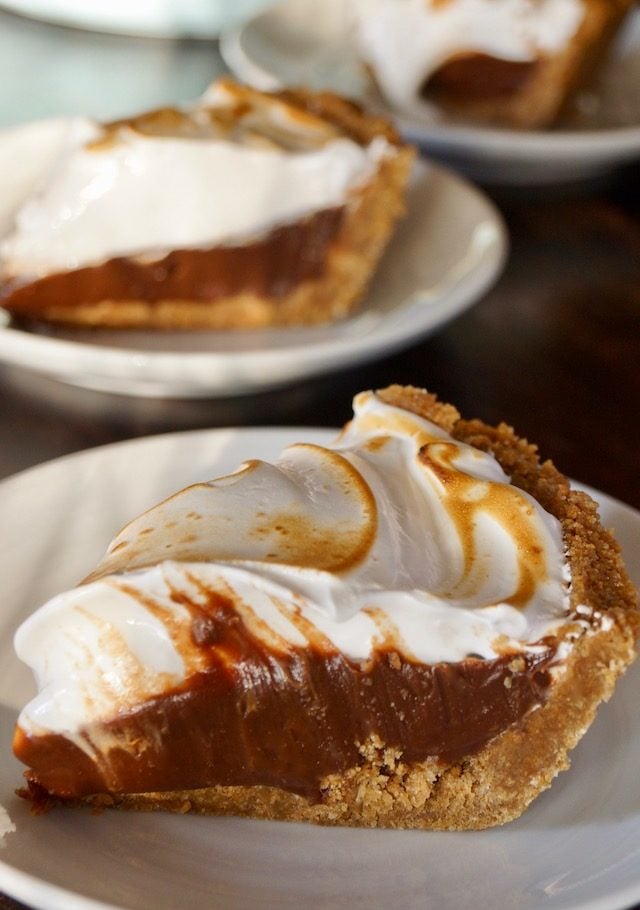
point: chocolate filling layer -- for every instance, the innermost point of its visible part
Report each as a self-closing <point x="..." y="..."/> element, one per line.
<point x="257" y="717"/>
<point x="477" y="77"/>
<point x="269" y="267"/>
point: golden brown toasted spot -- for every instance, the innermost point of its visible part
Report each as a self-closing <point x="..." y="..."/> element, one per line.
<point x="249" y="117"/>
<point x="315" y="542"/>
<point x="174" y="626"/>
<point x="465" y="499"/>
<point x="316" y="639"/>
<point x="377" y="443"/>
<point x="388" y="636"/>
<point x="140" y="680"/>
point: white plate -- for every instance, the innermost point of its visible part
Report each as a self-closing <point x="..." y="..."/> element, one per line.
<point x="445" y="254"/>
<point x="303" y="42"/>
<point x="578" y="846"/>
<point x="149" y="18"/>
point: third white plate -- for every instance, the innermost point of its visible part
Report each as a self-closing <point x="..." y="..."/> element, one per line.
<point x="303" y="42"/>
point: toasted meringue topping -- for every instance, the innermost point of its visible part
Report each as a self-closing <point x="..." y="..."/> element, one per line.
<point x="406" y="41"/>
<point x="221" y="173"/>
<point x="397" y="537"/>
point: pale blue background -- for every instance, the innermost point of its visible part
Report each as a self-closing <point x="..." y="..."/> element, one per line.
<point x="48" y="70"/>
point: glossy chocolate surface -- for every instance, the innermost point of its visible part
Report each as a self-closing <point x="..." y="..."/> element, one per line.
<point x="256" y="716"/>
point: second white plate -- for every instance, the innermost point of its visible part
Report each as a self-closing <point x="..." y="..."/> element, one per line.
<point x="444" y="256"/>
<point x="576" y="848"/>
<point x="303" y="42"/>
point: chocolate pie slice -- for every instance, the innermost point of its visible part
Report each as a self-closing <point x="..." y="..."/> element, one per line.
<point x="514" y="63"/>
<point x="410" y="627"/>
<point x="247" y="209"/>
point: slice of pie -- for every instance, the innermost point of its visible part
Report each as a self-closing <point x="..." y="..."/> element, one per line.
<point x="248" y="209"/>
<point x="514" y="63"/>
<point x="410" y="627"/>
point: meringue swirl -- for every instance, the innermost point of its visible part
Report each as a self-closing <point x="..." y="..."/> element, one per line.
<point x="396" y="537"/>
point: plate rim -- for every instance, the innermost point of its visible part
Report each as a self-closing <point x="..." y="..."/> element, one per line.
<point x="28" y="887"/>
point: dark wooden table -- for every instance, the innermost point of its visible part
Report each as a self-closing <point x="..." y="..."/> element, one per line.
<point x="554" y="349"/>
